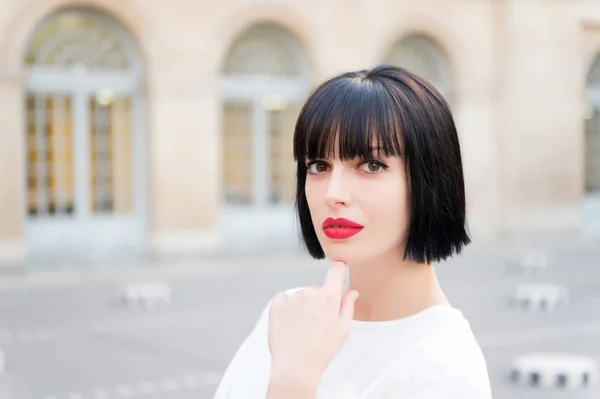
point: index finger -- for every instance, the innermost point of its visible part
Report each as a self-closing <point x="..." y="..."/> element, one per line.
<point x="334" y="280"/>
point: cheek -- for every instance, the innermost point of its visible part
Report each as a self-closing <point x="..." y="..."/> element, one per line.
<point x="389" y="202"/>
<point x="313" y="197"/>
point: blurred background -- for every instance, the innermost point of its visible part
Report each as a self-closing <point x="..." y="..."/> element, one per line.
<point x="147" y="179"/>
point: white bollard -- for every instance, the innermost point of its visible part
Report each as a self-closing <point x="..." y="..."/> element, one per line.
<point x="540" y="297"/>
<point x="2" y="363"/>
<point x="554" y="370"/>
<point x="146" y="295"/>
<point x="533" y="262"/>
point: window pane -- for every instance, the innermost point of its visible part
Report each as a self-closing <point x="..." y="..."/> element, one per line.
<point x="237" y="159"/>
<point x="283" y="167"/>
<point x="49" y="170"/>
<point x="111" y="163"/>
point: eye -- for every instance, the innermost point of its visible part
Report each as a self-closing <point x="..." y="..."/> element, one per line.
<point x="316" y="167"/>
<point x="372" y="166"/>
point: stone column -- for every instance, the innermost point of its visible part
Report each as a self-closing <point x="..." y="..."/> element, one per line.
<point x="540" y="119"/>
<point x="185" y="157"/>
<point x="12" y="172"/>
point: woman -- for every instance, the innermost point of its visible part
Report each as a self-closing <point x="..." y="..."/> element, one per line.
<point x="379" y="189"/>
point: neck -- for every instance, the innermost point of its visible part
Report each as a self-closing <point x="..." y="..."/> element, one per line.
<point x="392" y="288"/>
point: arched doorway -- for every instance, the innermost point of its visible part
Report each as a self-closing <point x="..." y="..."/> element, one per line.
<point x="266" y="80"/>
<point x="591" y="202"/>
<point x="421" y="55"/>
<point x="85" y="147"/>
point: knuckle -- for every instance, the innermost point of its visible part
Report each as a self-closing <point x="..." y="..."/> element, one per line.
<point x="278" y="299"/>
<point x="305" y="294"/>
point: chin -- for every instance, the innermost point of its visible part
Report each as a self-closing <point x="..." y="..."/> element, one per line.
<point x="343" y="252"/>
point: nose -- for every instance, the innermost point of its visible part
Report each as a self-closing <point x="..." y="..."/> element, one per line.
<point x="337" y="188"/>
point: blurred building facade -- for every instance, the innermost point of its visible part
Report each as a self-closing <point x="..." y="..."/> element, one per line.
<point x="144" y="127"/>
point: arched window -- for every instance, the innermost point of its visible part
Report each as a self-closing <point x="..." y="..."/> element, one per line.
<point x="265" y="49"/>
<point x="83" y="150"/>
<point x="78" y="38"/>
<point x="265" y="73"/>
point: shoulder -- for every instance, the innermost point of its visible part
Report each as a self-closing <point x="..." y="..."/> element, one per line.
<point x="452" y="360"/>
<point x="445" y="359"/>
<point x="452" y="344"/>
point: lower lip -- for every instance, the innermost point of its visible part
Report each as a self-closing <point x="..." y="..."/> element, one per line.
<point x="340" y="233"/>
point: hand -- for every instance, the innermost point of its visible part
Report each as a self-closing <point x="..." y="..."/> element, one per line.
<point x="308" y="328"/>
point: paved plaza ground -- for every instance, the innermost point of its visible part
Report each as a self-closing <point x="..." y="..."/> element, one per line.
<point x="66" y="335"/>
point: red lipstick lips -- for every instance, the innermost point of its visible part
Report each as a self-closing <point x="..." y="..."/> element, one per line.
<point x="340" y="229"/>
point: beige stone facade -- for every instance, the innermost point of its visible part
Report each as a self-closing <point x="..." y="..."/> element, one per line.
<point x="515" y="71"/>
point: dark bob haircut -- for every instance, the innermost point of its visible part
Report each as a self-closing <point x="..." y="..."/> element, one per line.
<point x="406" y="116"/>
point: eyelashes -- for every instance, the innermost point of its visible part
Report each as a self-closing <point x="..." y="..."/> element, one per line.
<point x="369" y="166"/>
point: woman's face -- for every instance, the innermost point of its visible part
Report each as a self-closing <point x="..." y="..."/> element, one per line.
<point x="371" y="194"/>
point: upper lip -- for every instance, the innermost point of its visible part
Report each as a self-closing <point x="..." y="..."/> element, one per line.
<point x="329" y="222"/>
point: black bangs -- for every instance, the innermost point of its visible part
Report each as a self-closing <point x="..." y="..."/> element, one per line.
<point x="355" y="113"/>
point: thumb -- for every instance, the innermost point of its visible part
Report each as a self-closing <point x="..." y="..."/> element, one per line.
<point x="347" y="308"/>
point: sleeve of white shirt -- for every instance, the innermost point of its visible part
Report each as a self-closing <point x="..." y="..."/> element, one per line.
<point x="252" y="353"/>
<point x="440" y="387"/>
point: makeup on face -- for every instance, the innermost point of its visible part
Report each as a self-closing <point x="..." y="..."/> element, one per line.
<point x="341" y="228"/>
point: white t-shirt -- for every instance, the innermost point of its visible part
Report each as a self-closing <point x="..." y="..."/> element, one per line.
<point x="430" y="355"/>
